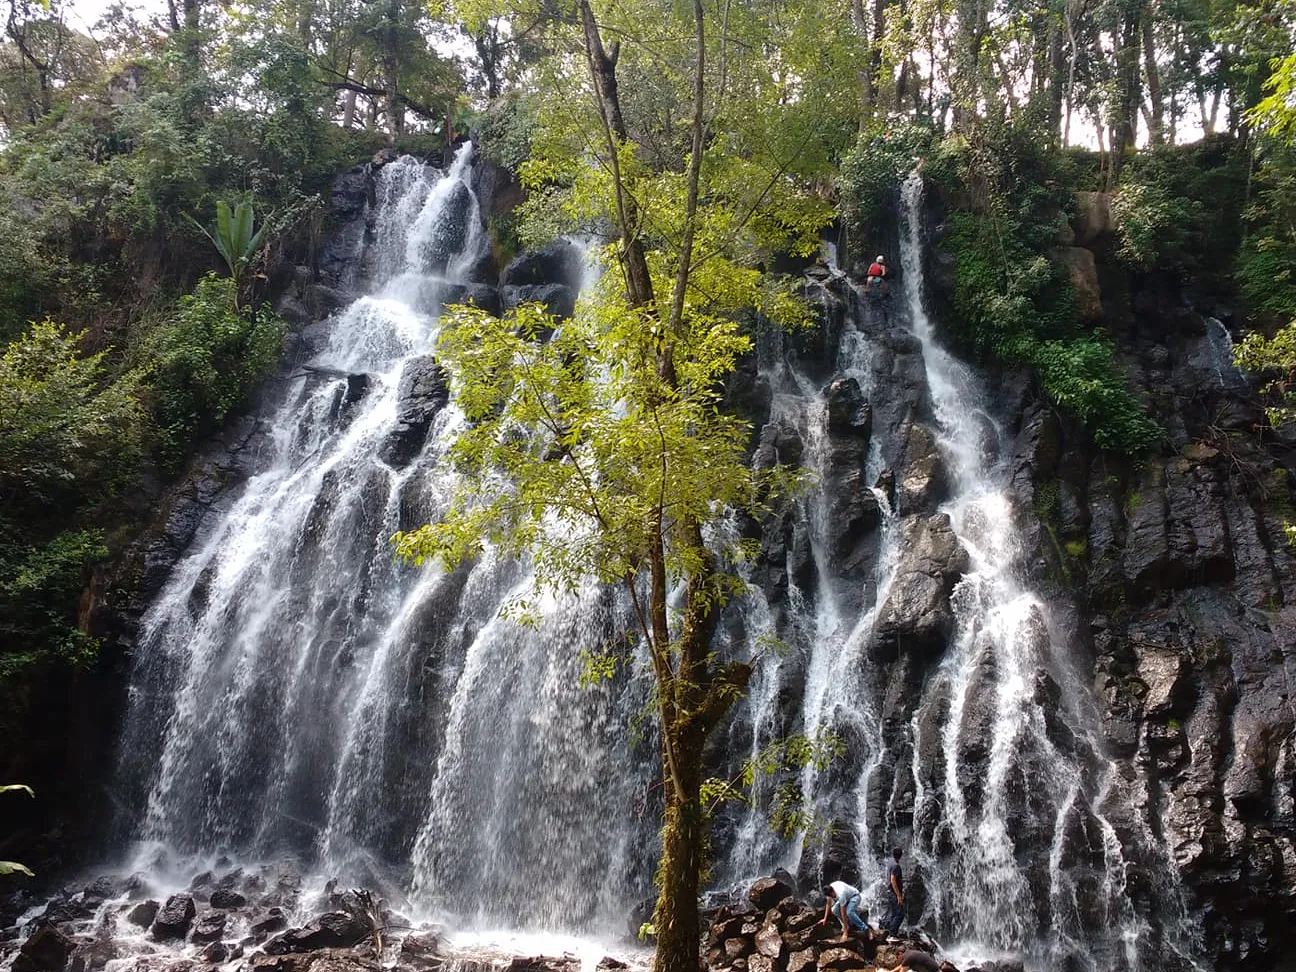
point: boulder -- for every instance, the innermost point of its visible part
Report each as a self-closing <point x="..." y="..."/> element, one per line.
<point x="333" y="929"/>
<point x="769" y="941"/>
<point x="761" y="963"/>
<point x="768" y="892"/>
<point x="175" y="917"/>
<point x="848" y="412"/>
<point x="727" y="928"/>
<point x="272" y="922"/>
<point x="1083" y="272"/>
<point x="923" y="482"/>
<point x="93" y="956"/>
<point x="216" y="953"/>
<point x="1093" y="217"/>
<point x="46" y="950"/>
<point x="477" y="294"/>
<point x="558" y="263"/>
<point x="421" y="394"/>
<point x="916" y="615"/>
<point x="227" y="898"/>
<point x="209" y="928"/>
<point x="736" y="948"/>
<point x="802" y="961"/>
<point x="559" y="300"/>
<point x="840" y="960"/>
<point x="144" y="913"/>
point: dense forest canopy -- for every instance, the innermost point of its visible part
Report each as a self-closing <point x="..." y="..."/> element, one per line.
<point x="707" y="139"/>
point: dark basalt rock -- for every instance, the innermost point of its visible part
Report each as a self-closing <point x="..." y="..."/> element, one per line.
<point x="559" y="300"/>
<point x="768" y="892"/>
<point x="848" y="412"/>
<point x="916" y="616"/>
<point x="144" y="913"/>
<point x="227" y="898"/>
<point x="446" y="239"/>
<point x="175" y="917"/>
<point x="46" y="950"/>
<point x="558" y="263"/>
<point x="421" y="394"/>
<point x="209" y="928"/>
<point x="332" y="929"/>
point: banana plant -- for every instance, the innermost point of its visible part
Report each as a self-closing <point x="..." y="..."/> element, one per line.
<point x="234" y="238"/>
<point x="13" y="867"/>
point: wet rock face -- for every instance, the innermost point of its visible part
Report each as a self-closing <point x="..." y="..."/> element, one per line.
<point x="421" y="394"/>
<point x="175" y="917"/>
<point x="916" y="616"/>
<point x="557" y="263"/>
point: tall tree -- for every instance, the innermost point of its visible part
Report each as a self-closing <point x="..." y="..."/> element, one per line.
<point x="641" y="461"/>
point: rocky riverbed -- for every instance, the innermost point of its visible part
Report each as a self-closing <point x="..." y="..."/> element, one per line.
<point x="267" y="919"/>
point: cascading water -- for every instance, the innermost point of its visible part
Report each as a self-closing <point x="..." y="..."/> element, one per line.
<point x="297" y="692"/>
<point x="1023" y="766"/>
<point x="996" y="784"/>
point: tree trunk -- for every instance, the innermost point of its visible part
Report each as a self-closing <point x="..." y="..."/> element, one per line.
<point x="859" y="22"/>
<point x="1156" y="117"/>
<point x="1128" y="94"/>
<point x="677" y="921"/>
<point x="602" y="66"/>
<point x="348" y="110"/>
<point x="1057" y="72"/>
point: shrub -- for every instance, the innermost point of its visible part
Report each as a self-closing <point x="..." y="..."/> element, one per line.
<point x="1013" y="304"/>
<point x="204" y="360"/>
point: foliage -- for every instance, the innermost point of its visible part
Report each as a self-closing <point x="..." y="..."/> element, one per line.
<point x="1151" y="222"/>
<point x="504" y="133"/>
<point x="872" y="171"/>
<point x="70" y="439"/>
<point x="778" y="761"/>
<point x="1177" y="208"/>
<point x="65" y="436"/>
<point x="593" y="394"/>
<point x="1014" y="305"/>
<point x="13" y="867"/>
<point x="1274" y="357"/>
<point x="234" y="239"/>
<point x="203" y="360"/>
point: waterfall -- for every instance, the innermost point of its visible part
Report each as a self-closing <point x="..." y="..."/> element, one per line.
<point x="1018" y="842"/>
<point x="297" y="692"/>
<point x="1021" y="837"/>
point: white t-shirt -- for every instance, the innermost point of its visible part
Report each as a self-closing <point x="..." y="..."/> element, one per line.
<point x="843" y="891"/>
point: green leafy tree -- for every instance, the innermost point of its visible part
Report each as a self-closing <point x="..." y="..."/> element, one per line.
<point x="702" y="178"/>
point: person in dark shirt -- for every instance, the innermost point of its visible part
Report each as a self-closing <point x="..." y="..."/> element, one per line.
<point x="895" y="899"/>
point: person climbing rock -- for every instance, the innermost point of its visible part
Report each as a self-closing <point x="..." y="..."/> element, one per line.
<point x="916" y="960"/>
<point x="895" y="897"/>
<point x="877" y="271"/>
<point x="843" y="900"/>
